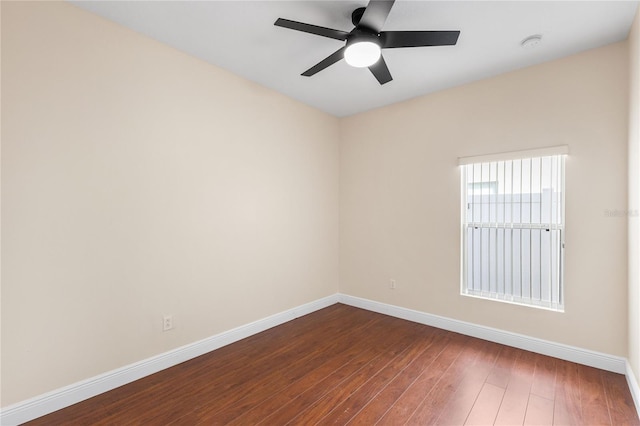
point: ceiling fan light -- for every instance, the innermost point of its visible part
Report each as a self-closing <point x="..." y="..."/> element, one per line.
<point x="362" y="54"/>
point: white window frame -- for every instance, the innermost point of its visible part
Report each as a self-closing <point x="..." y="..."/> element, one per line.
<point x="555" y="301"/>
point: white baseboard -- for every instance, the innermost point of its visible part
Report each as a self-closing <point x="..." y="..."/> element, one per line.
<point x="545" y="347"/>
<point x="60" y="398"/>
<point x="633" y="387"/>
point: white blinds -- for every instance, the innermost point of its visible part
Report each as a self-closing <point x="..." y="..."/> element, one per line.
<point x="515" y="155"/>
<point x="513" y="228"/>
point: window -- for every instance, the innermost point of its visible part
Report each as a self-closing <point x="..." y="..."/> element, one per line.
<point x="513" y="227"/>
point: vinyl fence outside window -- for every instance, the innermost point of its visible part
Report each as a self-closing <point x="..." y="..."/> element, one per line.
<point x="513" y="228"/>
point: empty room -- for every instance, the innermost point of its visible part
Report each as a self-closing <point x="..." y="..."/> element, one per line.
<point x="320" y="212"/>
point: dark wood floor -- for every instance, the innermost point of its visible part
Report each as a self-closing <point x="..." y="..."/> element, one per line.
<point x="343" y="365"/>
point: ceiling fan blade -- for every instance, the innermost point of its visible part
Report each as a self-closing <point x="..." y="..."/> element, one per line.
<point x="329" y="60"/>
<point x="312" y="29"/>
<point x="380" y="71"/>
<point x="375" y="14"/>
<point x="391" y="39"/>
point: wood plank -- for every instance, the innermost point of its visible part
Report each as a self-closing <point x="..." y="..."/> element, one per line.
<point x="544" y="377"/>
<point x="285" y="406"/>
<point x="383" y="401"/>
<point x="619" y="400"/>
<point x="424" y="384"/>
<point x="539" y="411"/>
<point x="337" y="395"/>
<point x="501" y="371"/>
<point x="459" y="406"/>
<point x="592" y="395"/>
<point x="343" y="412"/>
<point x="485" y="409"/>
<point x="345" y="377"/>
<point x="308" y="368"/>
<point x="326" y="376"/>
<point x="516" y="397"/>
<point x="568" y="406"/>
<point x="431" y="408"/>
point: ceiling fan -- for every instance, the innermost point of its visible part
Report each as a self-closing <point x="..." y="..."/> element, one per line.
<point x="365" y="41"/>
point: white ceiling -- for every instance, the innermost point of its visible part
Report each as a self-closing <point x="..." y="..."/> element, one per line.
<point x="240" y="37"/>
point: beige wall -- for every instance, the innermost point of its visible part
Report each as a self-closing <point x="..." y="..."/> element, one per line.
<point x="139" y="181"/>
<point x="634" y="196"/>
<point x="400" y="194"/>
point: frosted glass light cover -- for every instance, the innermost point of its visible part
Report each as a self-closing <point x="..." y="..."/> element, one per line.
<point x="362" y="54"/>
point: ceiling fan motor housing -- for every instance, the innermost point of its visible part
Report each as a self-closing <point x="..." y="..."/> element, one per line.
<point x="356" y="15"/>
<point x="359" y="35"/>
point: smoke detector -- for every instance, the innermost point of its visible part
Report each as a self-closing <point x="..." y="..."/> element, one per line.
<point x="531" y="42"/>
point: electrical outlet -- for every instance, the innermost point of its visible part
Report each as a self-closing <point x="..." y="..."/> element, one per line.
<point x="167" y="322"/>
<point x="392" y="284"/>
